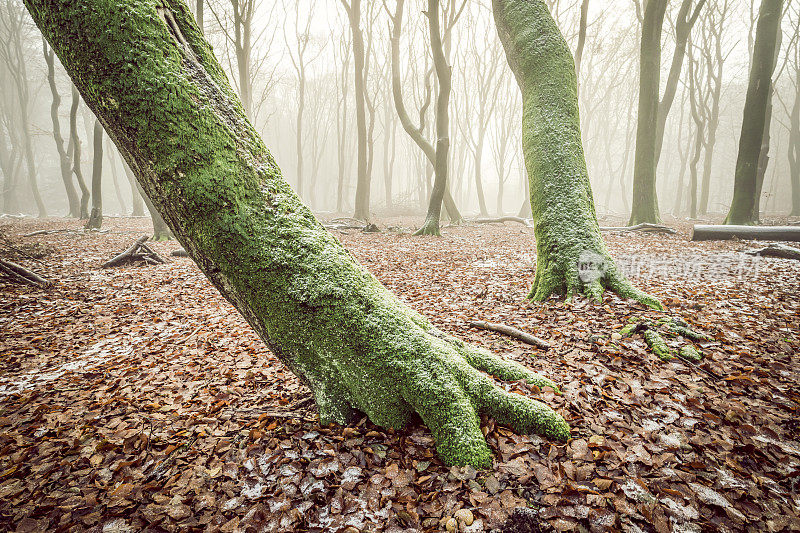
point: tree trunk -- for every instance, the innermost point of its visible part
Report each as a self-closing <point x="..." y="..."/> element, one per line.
<point x="763" y="156"/>
<point x="581" y="38"/>
<point x="63" y="157"/>
<point x="753" y="233"/>
<point x="444" y="76"/>
<point x="76" y="154"/>
<point x="301" y="95"/>
<point x="182" y="128"/>
<point x="479" y="174"/>
<point x="359" y="60"/>
<point x="794" y="150"/>
<point x="645" y="201"/>
<point x="30" y="162"/>
<point x="96" y="217"/>
<point x="137" y="209"/>
<point x="112" y="165"/>
<point x="683" y="30"/>
<point x="755" y="110"/>
<point x="9" y="168"/>
<point x="561" y="197"/>
<point x="199" y="14"/>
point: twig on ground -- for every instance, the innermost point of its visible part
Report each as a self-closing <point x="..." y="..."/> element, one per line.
<point x="511" y="332"/>
<point x="139" y="250"/>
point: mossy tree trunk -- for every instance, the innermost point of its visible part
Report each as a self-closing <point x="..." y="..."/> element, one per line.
<point x="755" y="110"/>
<point x="154" y="83"/>
<point x="561" y="197"/>
<point x="644" y="207"/>
<point x="96" y="216"/>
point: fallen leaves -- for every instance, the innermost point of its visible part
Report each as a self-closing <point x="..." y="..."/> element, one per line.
<point x="136" y="398"/>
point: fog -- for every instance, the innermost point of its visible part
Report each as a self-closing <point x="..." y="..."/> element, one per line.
<point x="295" y="77"/>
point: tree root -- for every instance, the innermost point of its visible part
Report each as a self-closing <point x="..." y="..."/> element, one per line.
<point x="430" y="227"/>
<point x="590" y="274"/>
<point x="673" y="327"/>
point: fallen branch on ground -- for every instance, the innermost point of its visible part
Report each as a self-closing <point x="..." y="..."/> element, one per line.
<point x="752" y="233"/>
<point x="776" y="250"/>
<point x="180" y="252"/>
<point x="500" y="220"/>
<point x="511" y="332"/>
<point x="139" y="251"/>
<point x="67" y="231"/>
<point x="645" y="227"/>
<point x="20" y="274"/>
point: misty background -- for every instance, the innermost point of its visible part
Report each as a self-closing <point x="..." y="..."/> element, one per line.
<point x="295" y="77"/>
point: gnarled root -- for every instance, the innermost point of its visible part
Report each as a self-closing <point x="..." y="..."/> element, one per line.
<point x="447" y="382"/>
<point x="587" y="273"/>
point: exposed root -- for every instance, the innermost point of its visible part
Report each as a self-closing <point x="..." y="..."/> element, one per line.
<point x="656" y="343"/>
<point x="672" y="327"/>
<point x="590" y="276"/>
<point x="430" y="227"/>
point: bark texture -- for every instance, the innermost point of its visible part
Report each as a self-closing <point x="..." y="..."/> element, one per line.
<point x="756" y="104"/>
<point x="155" y="85"/>
<point x="564" y="218"/>
<point x="644" y="207"/>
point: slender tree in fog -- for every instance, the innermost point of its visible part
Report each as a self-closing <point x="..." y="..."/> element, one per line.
<point x="744" y="205"/>
<point x="13" y="30"/>
<point x="96" y="215"/>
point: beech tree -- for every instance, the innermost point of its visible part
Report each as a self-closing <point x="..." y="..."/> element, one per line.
<point x="561" y="197"/>
<point x="353" y="9"/>
<point x="744" y="205"/>
<point x="153" y="82"/>
<point x="63" y="154"/>
<point x="96" y="216"/>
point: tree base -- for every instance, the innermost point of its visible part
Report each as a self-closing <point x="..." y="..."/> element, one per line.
<point x="447" y="382"/>
<point x="430" y="227"/>
<point x="162" y="236"/>
<point x="95" y="219"/>
<point x="588" y="273"/>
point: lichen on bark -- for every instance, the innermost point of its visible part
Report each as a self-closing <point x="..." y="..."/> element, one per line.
<point x="146" y="71"/>
<point x="562" y="206"/>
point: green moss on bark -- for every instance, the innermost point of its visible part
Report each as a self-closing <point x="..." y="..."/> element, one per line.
<point x="148" y="74"/>
<point x="561" y="197"/>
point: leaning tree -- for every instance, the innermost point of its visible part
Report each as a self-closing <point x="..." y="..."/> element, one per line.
<point x="153" y="81"/>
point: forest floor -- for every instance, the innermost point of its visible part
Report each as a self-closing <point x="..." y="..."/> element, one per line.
<point x="136" y="398"/>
